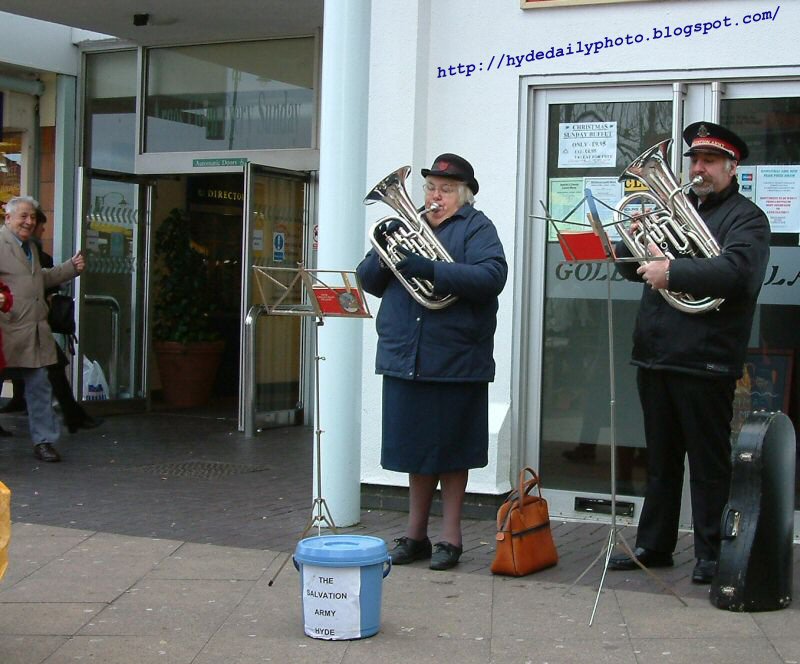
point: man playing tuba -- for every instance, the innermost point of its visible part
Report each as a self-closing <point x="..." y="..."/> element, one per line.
<point x="688" y="364"/>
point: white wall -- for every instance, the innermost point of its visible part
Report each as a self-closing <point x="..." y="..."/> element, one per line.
<point x="415" y="115"/>
<point x="39" y="45"/>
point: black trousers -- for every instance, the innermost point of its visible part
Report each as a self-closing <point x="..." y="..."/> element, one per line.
<point x="685" y="415"/>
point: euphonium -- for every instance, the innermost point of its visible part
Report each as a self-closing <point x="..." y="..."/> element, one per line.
<point x="413" y="233"/>
<point x="673" y="225"/>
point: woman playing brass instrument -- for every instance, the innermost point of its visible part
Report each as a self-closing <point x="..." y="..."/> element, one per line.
<point x="437" y="363"/>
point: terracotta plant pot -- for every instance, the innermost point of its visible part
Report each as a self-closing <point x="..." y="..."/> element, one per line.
<point x="188" y="371"/>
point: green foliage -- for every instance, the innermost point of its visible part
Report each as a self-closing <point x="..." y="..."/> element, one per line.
<point x="183" y="299"/>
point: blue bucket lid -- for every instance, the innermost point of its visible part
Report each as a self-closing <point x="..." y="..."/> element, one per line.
<point x="341" y="551"/>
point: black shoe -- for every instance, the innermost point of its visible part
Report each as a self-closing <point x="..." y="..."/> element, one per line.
<point x="15" y="406"/>
<point x="647" y="557"/>
<point x="46" y="452"/>
<point x="445" y="556"/>
<point x="704" y="571"/>
<point x="5" y="433"/>
<point x="87" y="422"/>
<point x="409" y="550"/>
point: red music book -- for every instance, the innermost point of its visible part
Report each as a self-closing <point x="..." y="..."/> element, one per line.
<point x="582" y="246"/>
<point x="339" y="301"/>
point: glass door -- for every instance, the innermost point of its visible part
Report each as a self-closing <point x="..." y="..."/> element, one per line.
<point x="766" y="115"/>
<point x="566" y="390"/>
<point x="585" y="138"/>
<point x="276" y="228"/>
<point x="111" y="301"/>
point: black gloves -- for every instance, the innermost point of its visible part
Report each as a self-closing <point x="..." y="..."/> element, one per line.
<point x="414" y="266"/>
<point x="387" y="227"/>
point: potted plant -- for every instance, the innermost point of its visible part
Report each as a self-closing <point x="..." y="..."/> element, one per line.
<point x="187" y="348"/>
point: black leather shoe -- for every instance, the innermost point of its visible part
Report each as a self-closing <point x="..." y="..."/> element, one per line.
<point x="46" y="452"/>
<point x="87" y="422"/>
<point x="704" y="571"/>
<point x="647" y="557"/>
<point x="5" y="433"/>
<point x="445" y="555"/>
<point x="409" y="550"/>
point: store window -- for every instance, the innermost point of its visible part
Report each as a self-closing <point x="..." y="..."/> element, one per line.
<point x="110" y="115"/>
<point x="590" y="145"/>
<point x="238" y="96"/>
<point x="574" y="401"/>
<point x="10" y="165"/>
<point x="771" y="178"/>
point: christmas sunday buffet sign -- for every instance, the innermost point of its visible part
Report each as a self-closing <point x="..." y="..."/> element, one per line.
<point x="587" y="144"/>
<point x="541" y="4"/>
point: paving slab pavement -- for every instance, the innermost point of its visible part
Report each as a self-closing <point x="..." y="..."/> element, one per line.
<point x="120" y="599"/>
<point x="114" y="560"/>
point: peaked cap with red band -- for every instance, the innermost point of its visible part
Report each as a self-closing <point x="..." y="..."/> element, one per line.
<point x="710" y="137"/>
<point x="450" y="165"/>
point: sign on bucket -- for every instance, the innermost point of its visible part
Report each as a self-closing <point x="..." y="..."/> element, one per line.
<point x="341" y="580"/>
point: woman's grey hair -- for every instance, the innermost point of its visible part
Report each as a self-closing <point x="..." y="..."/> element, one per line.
<point x="13" y="203"/>
<point x="465" y="195"/>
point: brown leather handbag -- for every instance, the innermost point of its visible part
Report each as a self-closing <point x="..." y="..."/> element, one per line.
<point x="524" y="541"/>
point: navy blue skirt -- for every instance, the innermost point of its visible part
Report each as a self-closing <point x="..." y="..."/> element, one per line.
<point x="431" y="428"/>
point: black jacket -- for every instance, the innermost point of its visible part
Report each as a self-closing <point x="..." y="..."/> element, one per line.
<point x="712" y="343"/>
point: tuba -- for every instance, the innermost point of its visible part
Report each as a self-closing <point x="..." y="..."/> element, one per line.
<point x="413" y="234"/>
<point x="673" y="224"/>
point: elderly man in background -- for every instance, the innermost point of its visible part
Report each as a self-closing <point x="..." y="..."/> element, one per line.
<point x="27" y="340"/>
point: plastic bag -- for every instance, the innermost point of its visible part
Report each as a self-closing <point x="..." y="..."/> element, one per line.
<point x="95" y="387"/>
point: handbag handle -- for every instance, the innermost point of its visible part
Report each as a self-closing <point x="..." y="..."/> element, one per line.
<point x="528" y="485"/>
<point x="523" y="489"/>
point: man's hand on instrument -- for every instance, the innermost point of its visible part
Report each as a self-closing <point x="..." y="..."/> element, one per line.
<point x="655" y="273"/>
<point x="414" y="266"/>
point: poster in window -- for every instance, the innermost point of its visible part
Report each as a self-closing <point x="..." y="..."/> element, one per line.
<point x="765" y="384"/>
<point x="778" y="194"/>
<point x="587" y="144"/>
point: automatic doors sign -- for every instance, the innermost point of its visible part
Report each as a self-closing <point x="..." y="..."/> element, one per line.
<point x="587" y="144"/>
<point x="332" y="602"/>
<point x="278" y="247"/>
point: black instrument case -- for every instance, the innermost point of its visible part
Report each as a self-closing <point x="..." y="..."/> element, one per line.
<point x="754" y="571"/>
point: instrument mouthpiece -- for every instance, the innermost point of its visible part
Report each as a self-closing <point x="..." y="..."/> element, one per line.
<point x="697" y="179"/>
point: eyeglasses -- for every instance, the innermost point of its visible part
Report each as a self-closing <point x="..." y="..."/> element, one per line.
<point x="445" y="189"/>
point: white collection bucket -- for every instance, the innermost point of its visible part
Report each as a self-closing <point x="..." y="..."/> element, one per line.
<point x="341" y="582"/>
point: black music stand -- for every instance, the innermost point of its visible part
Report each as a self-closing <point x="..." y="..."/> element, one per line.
<point x="594" y="246"/>
<point x="303" y="292"/>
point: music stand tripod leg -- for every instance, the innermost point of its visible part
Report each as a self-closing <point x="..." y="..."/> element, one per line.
<point x="320" y="513"/>
<point x="614" y="535"/>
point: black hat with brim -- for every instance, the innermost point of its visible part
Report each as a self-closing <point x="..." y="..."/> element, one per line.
<point x="452" y="166"/>
<point x="714" y="138"/>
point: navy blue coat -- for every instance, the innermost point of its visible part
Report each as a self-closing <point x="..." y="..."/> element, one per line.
<point x="451" y="344"/>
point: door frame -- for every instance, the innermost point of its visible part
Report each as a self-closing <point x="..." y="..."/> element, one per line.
<point x="83" y="203"/>
<point x="247" y="403"/>
<point x="697" y="95"/>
